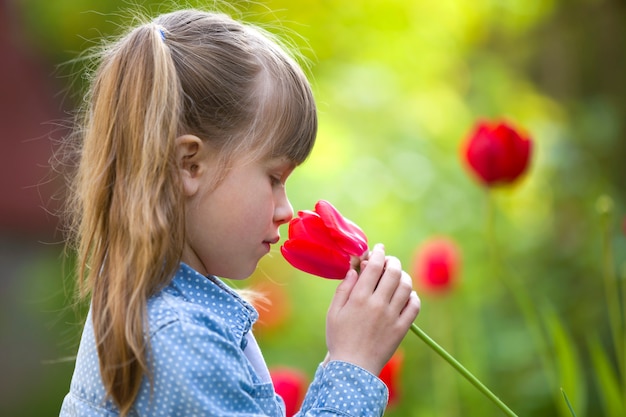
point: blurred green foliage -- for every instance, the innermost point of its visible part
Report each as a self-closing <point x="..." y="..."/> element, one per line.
<point x="399" y="84"/>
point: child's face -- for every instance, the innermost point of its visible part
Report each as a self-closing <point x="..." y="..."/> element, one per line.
<point x="230" y="227"/>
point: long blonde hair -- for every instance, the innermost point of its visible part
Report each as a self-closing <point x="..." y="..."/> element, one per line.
<point x="184" y="72"/>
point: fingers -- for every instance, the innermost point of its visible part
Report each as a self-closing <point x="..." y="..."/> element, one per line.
<point x="402" y="291"/>
<point x="344" y="289"/>
<point x="411" y="310"/>
<point x="391" y="280"/>
<point x="382" y="278"/>
<point x="372" y="270"/>
<point x="370" y="314"/>
<point x="385" y="280"/>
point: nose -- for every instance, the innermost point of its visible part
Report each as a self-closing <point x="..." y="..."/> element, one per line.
<point x="283" y="211"/>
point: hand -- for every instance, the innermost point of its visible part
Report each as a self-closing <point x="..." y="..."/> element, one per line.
<point x="370" y="314"/>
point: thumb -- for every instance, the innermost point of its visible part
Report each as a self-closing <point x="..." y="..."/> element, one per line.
<point x="344" y="289"/>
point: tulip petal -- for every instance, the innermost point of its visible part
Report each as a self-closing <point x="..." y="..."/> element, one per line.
<point x="481" y="152"/>
<point x="516" y="151"/>
<point x="497" y="153"/>
<point x="346" y="234"/>
<point x="310" y="227"/>
<point x="436" y="264"/>
<point x="316" y="259"/>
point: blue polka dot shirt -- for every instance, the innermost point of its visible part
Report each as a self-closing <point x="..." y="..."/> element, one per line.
<point x="205" y="362"/>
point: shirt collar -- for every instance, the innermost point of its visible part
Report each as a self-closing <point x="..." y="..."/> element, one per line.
<point x="197" y="288"/>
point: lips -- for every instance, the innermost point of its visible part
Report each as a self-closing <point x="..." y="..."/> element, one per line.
<point x="269" y="242"/>
<point x="272" y="241"/>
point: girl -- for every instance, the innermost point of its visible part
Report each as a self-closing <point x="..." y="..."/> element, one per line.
<point x="194" y="123"/>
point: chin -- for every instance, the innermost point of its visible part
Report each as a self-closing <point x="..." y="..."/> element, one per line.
<point x="236" y="271"/>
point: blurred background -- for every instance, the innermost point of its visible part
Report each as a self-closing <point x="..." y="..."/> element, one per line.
<point x="533" y="304"/>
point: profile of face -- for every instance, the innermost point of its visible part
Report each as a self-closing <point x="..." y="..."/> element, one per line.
<point x="231" y="225"/>
<point x="247" y="118"/>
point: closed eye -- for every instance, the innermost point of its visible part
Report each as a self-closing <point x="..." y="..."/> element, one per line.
<point x="276" y="181"/>
<point x="278" y="170"/>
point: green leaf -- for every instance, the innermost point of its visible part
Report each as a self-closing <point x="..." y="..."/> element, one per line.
<point x="607" y="380"/>
<point x="568" y="364"/>
<point x="569" y="405"/>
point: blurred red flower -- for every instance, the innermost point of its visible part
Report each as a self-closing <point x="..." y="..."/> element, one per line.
<point x="496" y="152"/>
<point x="273" y="305"/>
<point x="436" y="264"/>
<point x="322" y="242"/>
<point x="390" y="375"/>
<point x="291" y="385"/>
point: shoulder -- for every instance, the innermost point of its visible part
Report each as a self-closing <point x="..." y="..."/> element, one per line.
<point x="193" y="301"/>
<point x="184" y="317"/>
<point x="170" y="314"/>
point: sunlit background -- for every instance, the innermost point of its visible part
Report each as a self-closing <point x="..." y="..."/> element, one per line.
<point x="399" y="84"/>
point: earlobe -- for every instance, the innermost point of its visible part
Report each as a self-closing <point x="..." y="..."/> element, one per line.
<point x="188" y="156"/>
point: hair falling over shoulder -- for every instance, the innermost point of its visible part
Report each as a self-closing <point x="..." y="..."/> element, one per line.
<point x="185" y="72"/>
<point x="128" y="209"/>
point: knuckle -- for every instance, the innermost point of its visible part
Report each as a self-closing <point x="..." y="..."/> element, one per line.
<point x="393" y="262"/>
<point x="405" y="286"/>
<point x="416" y="303"/>
<point x="376" y="263"/>
<point x="359" y="297"/>
<point x="394" y="269"/>
<point x="377" y="304"/>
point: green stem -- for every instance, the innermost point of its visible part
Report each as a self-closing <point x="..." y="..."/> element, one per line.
<point x="521" y="296"/>
<point x="623" y="331"/>
<point x="611" y="288"/>
<point x="461" y="369"/>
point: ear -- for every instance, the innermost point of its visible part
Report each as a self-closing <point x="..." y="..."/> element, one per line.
<point x="189" y="158"/>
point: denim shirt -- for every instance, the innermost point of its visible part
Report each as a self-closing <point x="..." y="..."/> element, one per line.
<point x="204" y="364"/>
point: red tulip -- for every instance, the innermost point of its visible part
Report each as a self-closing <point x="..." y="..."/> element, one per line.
<point x="390" y="375"/>
<point x="291" y="385"/>
<point x="497" y="153"/>
<point x="322" y="242"/>
<point x="436" y="264"/>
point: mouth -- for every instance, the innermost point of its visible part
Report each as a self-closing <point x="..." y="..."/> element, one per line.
<point x="269" y="242"/>
<point x="272" y="241"/>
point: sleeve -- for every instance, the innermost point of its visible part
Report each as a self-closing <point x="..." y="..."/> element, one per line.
<point x="344" y="389"/>
<point x="201" y="371"/>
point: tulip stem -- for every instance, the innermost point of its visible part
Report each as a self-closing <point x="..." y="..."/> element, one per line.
<point x="461" y="369"/>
